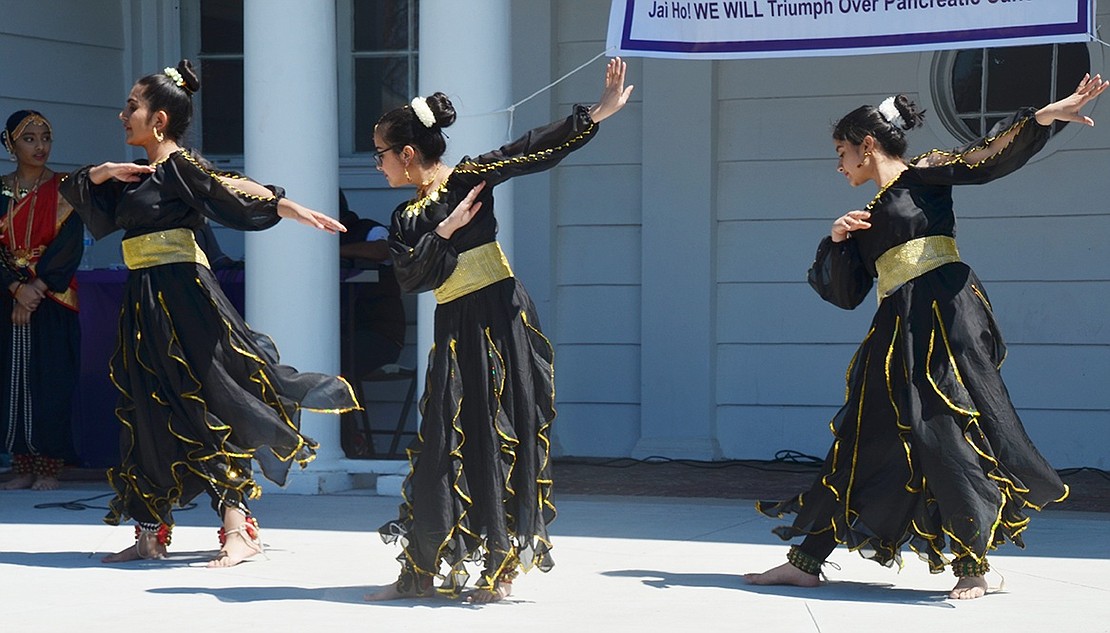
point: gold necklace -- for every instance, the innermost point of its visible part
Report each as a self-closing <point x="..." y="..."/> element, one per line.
<point x="22" y="255"/>
<point x="422" y="190"/>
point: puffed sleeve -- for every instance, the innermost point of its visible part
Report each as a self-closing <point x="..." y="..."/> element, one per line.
<point x="1009" y="145"/>
<point x="94" y="204"/>
<point x="538" y="149"/>
<point x="425" y="265"/>
<point x="214" y="194"/>
<point x="838" y="274"/>
<point x="62" y="256"/>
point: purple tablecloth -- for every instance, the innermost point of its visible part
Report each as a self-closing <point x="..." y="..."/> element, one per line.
<point x="95" y="427"/>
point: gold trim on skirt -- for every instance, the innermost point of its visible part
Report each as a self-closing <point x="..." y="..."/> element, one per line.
<point x="173" y="246"/>
<point x="913" y="259"/>
<point x="477" y="268"/>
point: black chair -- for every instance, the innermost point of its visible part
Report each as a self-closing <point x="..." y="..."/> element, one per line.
<point x="388" y="373"/>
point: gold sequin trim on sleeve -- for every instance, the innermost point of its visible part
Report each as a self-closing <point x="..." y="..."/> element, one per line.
<point x="223" y="177"/>
<point x="543" y="154"/>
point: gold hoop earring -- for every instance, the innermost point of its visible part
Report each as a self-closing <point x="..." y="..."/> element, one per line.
<point x="408" y="178"/>
<point x="158" y="135"/>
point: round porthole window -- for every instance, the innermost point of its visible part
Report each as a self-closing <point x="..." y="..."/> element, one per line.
<point x="975" y="88"/>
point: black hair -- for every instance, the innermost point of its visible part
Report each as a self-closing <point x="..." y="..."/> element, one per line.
<point x="867" y="120"/>
<point x="15" y="119"/>
<point x="400" y="127"/>
<point x="162" y="92"/>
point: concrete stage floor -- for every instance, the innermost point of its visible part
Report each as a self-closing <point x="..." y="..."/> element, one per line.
<point x="623" y="563"/>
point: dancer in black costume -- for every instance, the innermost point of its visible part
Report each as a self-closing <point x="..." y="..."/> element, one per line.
<point x="480" y="484"/>
<point x="201" y="394"/>
<point x="929" y="451"/>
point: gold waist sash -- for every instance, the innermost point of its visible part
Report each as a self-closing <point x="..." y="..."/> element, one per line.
<point x="477" y="268"/>
<point x="173" y="246"/>
<point x="913" y="259"/>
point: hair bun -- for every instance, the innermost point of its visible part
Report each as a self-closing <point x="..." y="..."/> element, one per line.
<point x="192" y="82"/>
<point x="911" y="116"/>
<point x="442" y="109"/>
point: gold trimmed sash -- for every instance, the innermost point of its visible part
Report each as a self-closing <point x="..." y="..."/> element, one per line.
<point x="173" y="246"/>
<point x="913" y="259"/>
<point x="477" y="268"/>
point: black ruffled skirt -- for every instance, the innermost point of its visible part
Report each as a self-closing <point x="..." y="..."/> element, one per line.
<point x="479" y="488"/>
<point x="928" y="452"/>
<point x="202" y="396"/>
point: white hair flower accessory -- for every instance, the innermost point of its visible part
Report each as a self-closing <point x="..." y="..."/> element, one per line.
<point x="174" y="75"/>
<point x="890" y="113"/>
<point x="423" y="112"/>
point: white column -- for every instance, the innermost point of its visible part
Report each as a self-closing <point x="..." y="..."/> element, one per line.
<point x="465" y="54"/>
<point x="291" y="139"/>
<point x="678" y="372"/>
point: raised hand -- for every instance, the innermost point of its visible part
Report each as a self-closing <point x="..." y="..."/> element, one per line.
<point x="462" y="214"/>
<point x="1067" y="109"/>
<point x="615" y="94"/>
<point x="851" y="221"/>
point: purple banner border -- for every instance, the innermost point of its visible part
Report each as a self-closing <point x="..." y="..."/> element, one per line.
<point x="1080" y="26"/>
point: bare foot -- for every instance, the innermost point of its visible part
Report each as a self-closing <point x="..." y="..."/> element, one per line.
<point x="484" y="596"/>
<point x="238" y="547"/>
<point x="146" y="548"/>
<point x="969" y="588"/>
<point x="391" y="592"/>
<point x="45" y="483"/>
<point x="784" y="574"/>
<point x="22" y="482"/>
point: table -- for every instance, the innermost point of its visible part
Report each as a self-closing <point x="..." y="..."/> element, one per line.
<point x="95" y="427"/>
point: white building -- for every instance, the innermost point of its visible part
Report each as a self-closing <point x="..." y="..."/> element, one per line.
<point x="668" y="257"/>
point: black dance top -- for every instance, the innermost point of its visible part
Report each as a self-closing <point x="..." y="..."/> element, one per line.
<point x="180" y="192"/>
<point x="422" y="259"/>
<point x="918" y="203"/>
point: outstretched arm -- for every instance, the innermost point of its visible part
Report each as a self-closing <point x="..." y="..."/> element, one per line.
<point x="286" y="208"/>
<point x="1011" y="142"/>
<point x="1066" y="109"/>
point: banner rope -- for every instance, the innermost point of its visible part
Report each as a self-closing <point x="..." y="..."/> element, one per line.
<point x="512" y="108"/>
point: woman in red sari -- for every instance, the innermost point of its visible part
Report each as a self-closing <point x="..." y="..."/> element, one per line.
<point x="40" y="249"/>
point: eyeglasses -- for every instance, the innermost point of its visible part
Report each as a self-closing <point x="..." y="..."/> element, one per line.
<point x="379" y="154"/>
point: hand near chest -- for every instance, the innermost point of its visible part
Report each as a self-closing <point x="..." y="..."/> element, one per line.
<point x="462" y="214"/>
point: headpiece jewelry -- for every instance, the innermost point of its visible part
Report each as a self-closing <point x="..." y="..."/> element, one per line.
<point x="33" y="118"/>
<point x="423" y="112"/>
<point x="174" y="75"/>
<point x="890" y="113"/>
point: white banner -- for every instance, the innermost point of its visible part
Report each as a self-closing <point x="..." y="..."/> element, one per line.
<point x="733" y="29"/>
